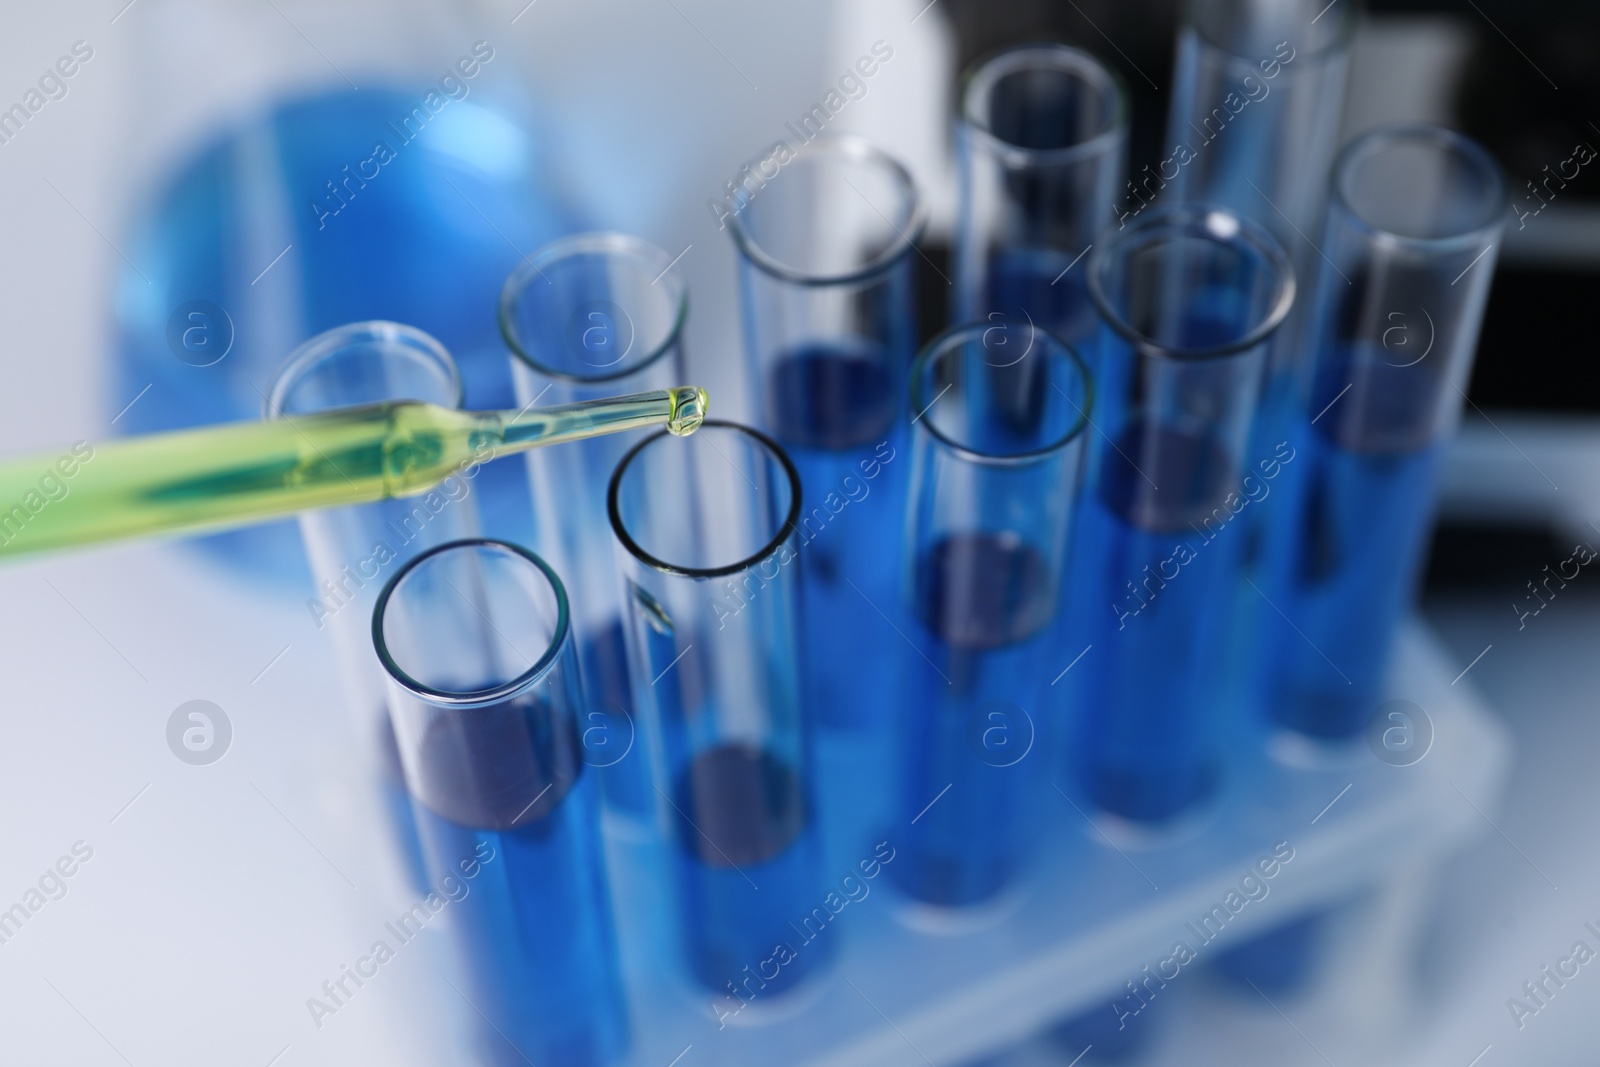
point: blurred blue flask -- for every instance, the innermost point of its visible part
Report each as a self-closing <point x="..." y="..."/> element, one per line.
<point x="284" y="201"/>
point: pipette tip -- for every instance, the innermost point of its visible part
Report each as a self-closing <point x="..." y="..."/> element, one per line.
<point x="689" y="405"/>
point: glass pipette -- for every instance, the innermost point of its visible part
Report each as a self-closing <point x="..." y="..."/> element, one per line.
<point x="233" y="475"/>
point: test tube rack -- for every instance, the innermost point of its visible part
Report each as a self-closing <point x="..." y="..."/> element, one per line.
<point x="1097" y="910"/>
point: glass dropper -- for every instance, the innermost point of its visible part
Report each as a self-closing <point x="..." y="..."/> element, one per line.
<point x="242" y="473"/>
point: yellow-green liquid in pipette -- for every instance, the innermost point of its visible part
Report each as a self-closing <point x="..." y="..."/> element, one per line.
<point x="232" y="475"/>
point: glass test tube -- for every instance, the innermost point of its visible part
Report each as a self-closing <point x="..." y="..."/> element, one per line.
<point x="1258" y="92"/>
<point x="1189" y="299"/>
<point x="475" y="637"/>
<point x="352" y="550"/>
<point x="826" y="277"/>
<point x="1414" y="220"/>
<point x="1042" y="147"/>
<point x="987" y="528"/>
<point x="589" y="316"/>
<point x="1257" y="96"/>
<point x="706" y="534"/>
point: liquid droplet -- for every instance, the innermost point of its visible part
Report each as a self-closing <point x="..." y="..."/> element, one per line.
<point x="689" y="406"/>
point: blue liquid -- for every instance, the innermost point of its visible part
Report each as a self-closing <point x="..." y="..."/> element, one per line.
<point x="741" y="822"/>
<point x="1266" y="538"/>
<point x="1028" y="285"/>
<point x="1151" y="731"/>
<point x="405" y="246"/>
<point x="1117" y="1036"/>
<point x="1034" y="284"/>
<point x="832" y="407"/>
<point x="1041" y="114"/>
<point x="983" y="603"/>
<point x="1281" y="962"/>
<point x="1359" y="532"/>
<point x="534" y="929"/>
<point x="624" y="779"/>
<point x="1265" y="522"/>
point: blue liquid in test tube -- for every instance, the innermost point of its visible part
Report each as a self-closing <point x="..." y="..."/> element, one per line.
<point x="1041" y="150"/>
<point x="744" y="839"/>
<point x="533" y="969"/>
<point x="990" y="509"/>
<point x="706" y="534"/>
<point x="1258" y="91"/>
<point x="1411" y="231"/>
<point x="1189" y="299"/>
<point x="475" y="637"/>
<point x="826" y="254"/>
<point x="1358" y="536"/>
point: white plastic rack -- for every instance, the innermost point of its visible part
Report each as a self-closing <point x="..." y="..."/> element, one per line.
<point x="906" y="987"/>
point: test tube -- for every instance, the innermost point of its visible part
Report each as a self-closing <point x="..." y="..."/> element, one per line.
<point x="1414" y="220"/>
<point x="1042" y="147"/>
<point x="475" y="637"/>
<point x="588" y="316"/>
<point x="706" y="530"/>
<point x="987" y="528"/>
<point x="1189" y="298"/>
<point x="352" y="550"/>
<point x="1258" y="92"/>
<point x="825" y="272"/>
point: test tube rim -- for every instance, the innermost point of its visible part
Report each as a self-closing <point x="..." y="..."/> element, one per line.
<point x="1340" y="42"/>
<point x="934" y="349"/>
<point x="1369" y="142"/>
<point x="375" y="331"/>
<point x="1183" y="216"/>
<point x="481" y="697"/>
<point x="861" y="148"/>
<point x="590" y="242"/>
<point x="787" y="530"/>
<point x="982" y="76"/>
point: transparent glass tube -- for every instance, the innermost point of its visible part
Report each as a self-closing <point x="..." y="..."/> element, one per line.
<point x="990" y="509"/>
<point x="826" y="277"/>
<point x="352" y="550"/>
<point x="1042" y="147"/>
<point x="1410" y="237"/>
<point x="475" y="638"/>
<point x="1257" y="99"/>
<point x="706" y="529"/>
<point x="1189" y="299"/>
<point x="585" y="317"/>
